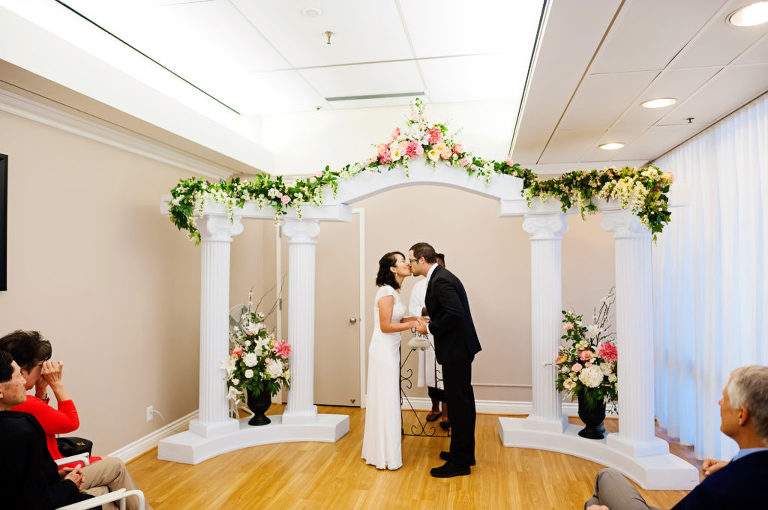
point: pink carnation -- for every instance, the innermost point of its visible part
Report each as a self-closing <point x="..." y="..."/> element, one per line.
<point x="385" y="157"/>
<point x="411" y="148"/>
<point x="238" y="352"/>
<point x="435" y="135"/>
<point x="285" y="199"/>
<point x="382" y="148"/>
<point x="567" y="326"/>
<point x="458" y="148"/>
<point x="577" y="367"/>
<point x="585" y="355"/>
<point x="282" y="349"/>
<point x="396" y="133"/>
<point x="608" y="352"/>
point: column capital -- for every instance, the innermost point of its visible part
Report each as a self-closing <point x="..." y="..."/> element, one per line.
<point x="218" y="227"/>
<point x="624" y="225"/>
<point x="545" y="226"/>
<point x="302" y="231"/>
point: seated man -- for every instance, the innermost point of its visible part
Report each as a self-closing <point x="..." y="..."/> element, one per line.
<point x="29" y="478"/>
<point x="33" y="353"/>
<point x="740" y="483"/>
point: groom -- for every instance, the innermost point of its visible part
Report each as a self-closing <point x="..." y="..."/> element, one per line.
<point x="456" y="344"/>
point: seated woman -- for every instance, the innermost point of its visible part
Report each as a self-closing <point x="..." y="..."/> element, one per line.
<point x="32" y="353"/>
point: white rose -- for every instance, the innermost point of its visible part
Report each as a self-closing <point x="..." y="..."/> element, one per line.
<point x="275" y="369"/>
<point x="592" y="331"/>
<point x="228" y="364"/>
<point x="235" y="381"/>
<point x="606" y="368"/>
<point x="569" y="385"/>
<point x="591" y="376"/>
<point x="250" y="359"/>
<point x="248" y="373"/>
<point x="612" y="378"/>
<point x="248" y="343"/>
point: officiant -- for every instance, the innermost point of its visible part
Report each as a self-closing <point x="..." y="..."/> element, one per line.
<point x="429" y="369"/>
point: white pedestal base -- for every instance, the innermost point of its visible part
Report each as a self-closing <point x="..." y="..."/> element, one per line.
<point x="536" y="423"/>
<point x="190" y="448"/>
<point x="222" y="428"/>
<point x="653" y="472"/>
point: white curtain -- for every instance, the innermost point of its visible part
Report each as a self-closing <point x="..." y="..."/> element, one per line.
<point x="710" y="276"/>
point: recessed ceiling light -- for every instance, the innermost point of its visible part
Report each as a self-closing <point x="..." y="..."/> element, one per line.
<point x="749" y="16"/>
<point x="612" y="146"/>
<point x="659" y="103"/>
<point x="311" y="12"/>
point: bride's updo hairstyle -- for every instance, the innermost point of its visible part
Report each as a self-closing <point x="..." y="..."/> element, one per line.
<point x="385" y="276"/>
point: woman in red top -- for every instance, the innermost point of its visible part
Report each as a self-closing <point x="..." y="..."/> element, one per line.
<point x="33" y="353"/>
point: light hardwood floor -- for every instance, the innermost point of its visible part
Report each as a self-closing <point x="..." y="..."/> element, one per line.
<point x="332" y="475"/>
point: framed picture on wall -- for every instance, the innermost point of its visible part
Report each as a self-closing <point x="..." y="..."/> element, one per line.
<point x="3" y="222"/>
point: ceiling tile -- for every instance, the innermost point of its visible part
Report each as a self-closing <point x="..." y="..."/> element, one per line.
<point x="363" y="30"/>
<point x="366" y="79"/>
<point x="649" y="33"/>
<point x="720" y="42"/>
<point x="645" y="144"/>
<point x="757" y="54"/>
<point x="678" y="84"/>
<point x="261" y="93"/>
<point x="601" y="98"/>
<point x="483" y="77"/>
<point x="569" y="145"/>
<point x="457" y="27"/>
<point x="727" y="91"/>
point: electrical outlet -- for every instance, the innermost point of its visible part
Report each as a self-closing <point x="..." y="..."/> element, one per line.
<point x="150" y="413"/>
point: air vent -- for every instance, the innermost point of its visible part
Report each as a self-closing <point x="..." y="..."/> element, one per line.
<point x="374" y="96"/>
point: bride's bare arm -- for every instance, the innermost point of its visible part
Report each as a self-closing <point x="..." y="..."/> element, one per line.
<point x="386" y="304"/>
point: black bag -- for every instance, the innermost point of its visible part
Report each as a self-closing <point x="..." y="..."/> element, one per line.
<point x="69" y="446"/>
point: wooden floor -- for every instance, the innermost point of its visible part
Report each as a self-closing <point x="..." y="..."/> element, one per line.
<point x="332" y="475"/>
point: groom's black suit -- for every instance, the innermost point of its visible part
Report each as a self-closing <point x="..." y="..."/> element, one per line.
<point x="456" y="344"/>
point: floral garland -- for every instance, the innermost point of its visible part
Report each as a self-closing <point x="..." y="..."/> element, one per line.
<point x="642" y="190"/>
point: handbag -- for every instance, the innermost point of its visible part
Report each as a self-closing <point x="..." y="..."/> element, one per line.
<point x="69" y="446"/>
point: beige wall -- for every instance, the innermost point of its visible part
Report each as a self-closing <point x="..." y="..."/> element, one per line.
<point x="107" y="278"/>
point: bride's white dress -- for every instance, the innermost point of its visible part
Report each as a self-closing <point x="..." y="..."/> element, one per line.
<point x="381" y="439"/>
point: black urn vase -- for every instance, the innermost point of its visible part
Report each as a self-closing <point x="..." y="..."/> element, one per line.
<point x="259" y="404"/>
<point x="592" y="413"/>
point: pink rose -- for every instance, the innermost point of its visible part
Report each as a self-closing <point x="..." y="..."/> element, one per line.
<point x="416" y="117"/>
<point x="312" y="180"/>
<point x="587" y="364"/>
<point x="319" y="173"/>
<point x="577" y="367"/>
<point x="419" y="149"/>
<point x="396" y="133"/>
<point x="369" y="161"/>
<point x="509" y="161"/>
<point x="285" y="199"/>
<point x="268" y="361"/>
<point x="282" y="349"/>
<point x="458" y="148"/>
<point x="608" y="352"/>
<point x="474" y="168"/>
<point x="435" y="135"/>
<point x="446" y="154"/>
<point x="567" y="326"/>
<point x="382" y="148"/>
<point x="238" y="352"/>
<point x="585" y="355"/>
<point x="669" y="176"/>
<point x="464" y="161"/>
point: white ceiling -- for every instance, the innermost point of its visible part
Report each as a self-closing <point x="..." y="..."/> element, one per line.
<point x="220" y="66"/>
<point x="597" y="60"/>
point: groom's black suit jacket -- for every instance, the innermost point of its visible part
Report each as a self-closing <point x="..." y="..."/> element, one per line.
<point x="450" y="319"/>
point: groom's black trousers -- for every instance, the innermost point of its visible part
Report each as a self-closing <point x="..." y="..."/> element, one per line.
<point x="457" y="379"/>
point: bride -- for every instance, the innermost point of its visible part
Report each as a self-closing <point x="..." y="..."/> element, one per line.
<point x="381" y="439"/>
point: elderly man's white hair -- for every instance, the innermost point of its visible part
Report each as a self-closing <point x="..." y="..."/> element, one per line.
<point x="748" y="387"/>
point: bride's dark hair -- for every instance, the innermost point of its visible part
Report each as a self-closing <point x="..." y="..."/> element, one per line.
<point x="385" y="276"/>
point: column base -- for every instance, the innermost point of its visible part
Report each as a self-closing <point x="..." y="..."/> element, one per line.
<point x="545" y="424"/>
<point x="634" y="448"/>
<point x="191" y="448"/>
<point x="301" y="417"/>
<point x="215" y="429"/>
<point x="653" y="472"/>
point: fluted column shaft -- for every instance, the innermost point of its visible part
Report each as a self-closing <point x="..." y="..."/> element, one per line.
<point x="302" y="238"/>
<point x="634" y="330"/>
<point x="216" y="233"/>
<point x="546" y="304"/>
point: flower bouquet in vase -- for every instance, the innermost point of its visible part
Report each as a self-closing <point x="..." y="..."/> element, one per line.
<point x="586" y="366"/>
<point x="257" y="366"/>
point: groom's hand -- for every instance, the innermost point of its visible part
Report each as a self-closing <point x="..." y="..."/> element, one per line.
<point x="421" y="327"/>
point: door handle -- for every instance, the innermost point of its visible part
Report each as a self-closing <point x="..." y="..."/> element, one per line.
<point x="352" y="320"/>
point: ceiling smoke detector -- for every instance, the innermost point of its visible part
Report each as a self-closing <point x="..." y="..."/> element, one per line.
<point x="611" y="146"/>
<point x="750" y="15"/>
<point x="311" y="12"/>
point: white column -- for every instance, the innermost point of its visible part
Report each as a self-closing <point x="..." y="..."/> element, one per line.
<point x="216" y="233"/>
<point x="302" y="238"/>
<point x="546" y="306"/>
<point x="634" y="336"/>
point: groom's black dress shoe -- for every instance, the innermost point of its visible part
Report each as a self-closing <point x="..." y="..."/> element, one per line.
<point x="449" y="469"/>
<point x="449" y="456"/>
